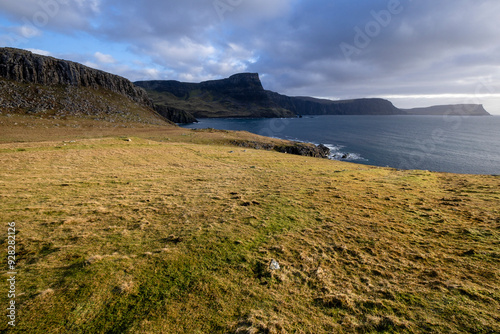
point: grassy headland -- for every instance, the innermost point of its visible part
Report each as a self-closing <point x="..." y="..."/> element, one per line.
<point x="151" y="229"/>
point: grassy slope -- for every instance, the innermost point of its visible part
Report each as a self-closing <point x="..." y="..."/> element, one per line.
<point x="74" y="104"/>
<point x="203" y="104"/>
<point x="166" y="234"/>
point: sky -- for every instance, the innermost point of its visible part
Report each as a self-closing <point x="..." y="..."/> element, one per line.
<point x="415" y="53"/>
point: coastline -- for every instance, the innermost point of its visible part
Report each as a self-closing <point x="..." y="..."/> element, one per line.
<point x="172" y="219"/>
<point x="455" y="144"/>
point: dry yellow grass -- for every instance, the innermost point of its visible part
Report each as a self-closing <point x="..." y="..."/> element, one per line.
<point x="168" y="234"/>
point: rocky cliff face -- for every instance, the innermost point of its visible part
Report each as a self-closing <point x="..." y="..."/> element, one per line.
<point x="242" y="87"/>
<point x="175" y="115"/>
<point x="35" y="84"/>
<point x="24" y="66"/>
<point x="63" y="102"/>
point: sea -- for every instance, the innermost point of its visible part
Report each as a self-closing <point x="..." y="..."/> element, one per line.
<point x="454" y="144"/>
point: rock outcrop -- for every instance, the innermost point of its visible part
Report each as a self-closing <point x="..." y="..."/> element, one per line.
<point x="175" y="115"/>
<point x="243" y="86"/>
<point x="296" y="148"/>
<point x="63" y="102"/>
<point x="24" y="66"/>
<point x="240" y="95"/>
<point x="305" y="149"/>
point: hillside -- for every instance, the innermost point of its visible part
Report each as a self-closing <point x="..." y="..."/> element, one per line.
<point x="48" y="87"/>
<point x="242" y="95"/>
<point x="169" y="230"/>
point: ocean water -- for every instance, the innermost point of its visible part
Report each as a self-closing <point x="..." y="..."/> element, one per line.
<point x="455" y="144"/>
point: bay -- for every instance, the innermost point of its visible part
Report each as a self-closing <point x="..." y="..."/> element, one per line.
<point x="456" y="144"/>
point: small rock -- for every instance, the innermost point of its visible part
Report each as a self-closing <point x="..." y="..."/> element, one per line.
<point x="274" y="265"/>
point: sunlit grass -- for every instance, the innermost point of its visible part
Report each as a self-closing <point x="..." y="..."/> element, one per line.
<point x="173" y="232"/>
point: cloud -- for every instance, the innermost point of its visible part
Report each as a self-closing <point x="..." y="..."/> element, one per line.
<point x="28" y="31"/>
<point x="251" y="13"/>
<point x="428" y="46"/>
<point x="403" y="47"/>
<point x="16" y="35"/>
<point x="104" y="58"/>
<point x="59" y="15"/>
<point x="40" y="52"/>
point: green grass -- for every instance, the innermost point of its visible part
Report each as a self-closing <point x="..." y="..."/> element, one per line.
<point x="173" y="232"/>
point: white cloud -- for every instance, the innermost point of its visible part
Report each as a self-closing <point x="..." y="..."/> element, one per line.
<point x="28" y="31"/>
<point x="251" y="13"/>
<point x="93" y="5"/>
<point x="58" y="15"/>
<point x="104" y="58"/>
<point x="91" y="64"/>
<point x="40" y="52"/>
<point x="152" y="73"/>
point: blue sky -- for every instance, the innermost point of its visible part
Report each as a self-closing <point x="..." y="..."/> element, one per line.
<point x="413" y="52"/>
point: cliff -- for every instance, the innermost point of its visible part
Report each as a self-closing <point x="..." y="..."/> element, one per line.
<point x="174" y="114"/>
<point x="242" y="95"/>
<point x="243" y="86"/>
<point x="24" y="66"/>
<point x="46" y="86"/>
<point x="452" y="110"/>
<point x="312" y="106"/>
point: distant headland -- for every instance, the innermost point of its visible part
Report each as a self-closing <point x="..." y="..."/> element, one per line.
<point x="242" y="95"/>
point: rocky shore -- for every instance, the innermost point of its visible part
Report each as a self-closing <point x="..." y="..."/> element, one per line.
<point x="296" y="148"/>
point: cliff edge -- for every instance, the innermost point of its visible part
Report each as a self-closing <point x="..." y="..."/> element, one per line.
<point x="25" y="66"/>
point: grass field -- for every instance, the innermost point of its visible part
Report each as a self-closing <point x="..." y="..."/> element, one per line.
<point x="165" y="230"/>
